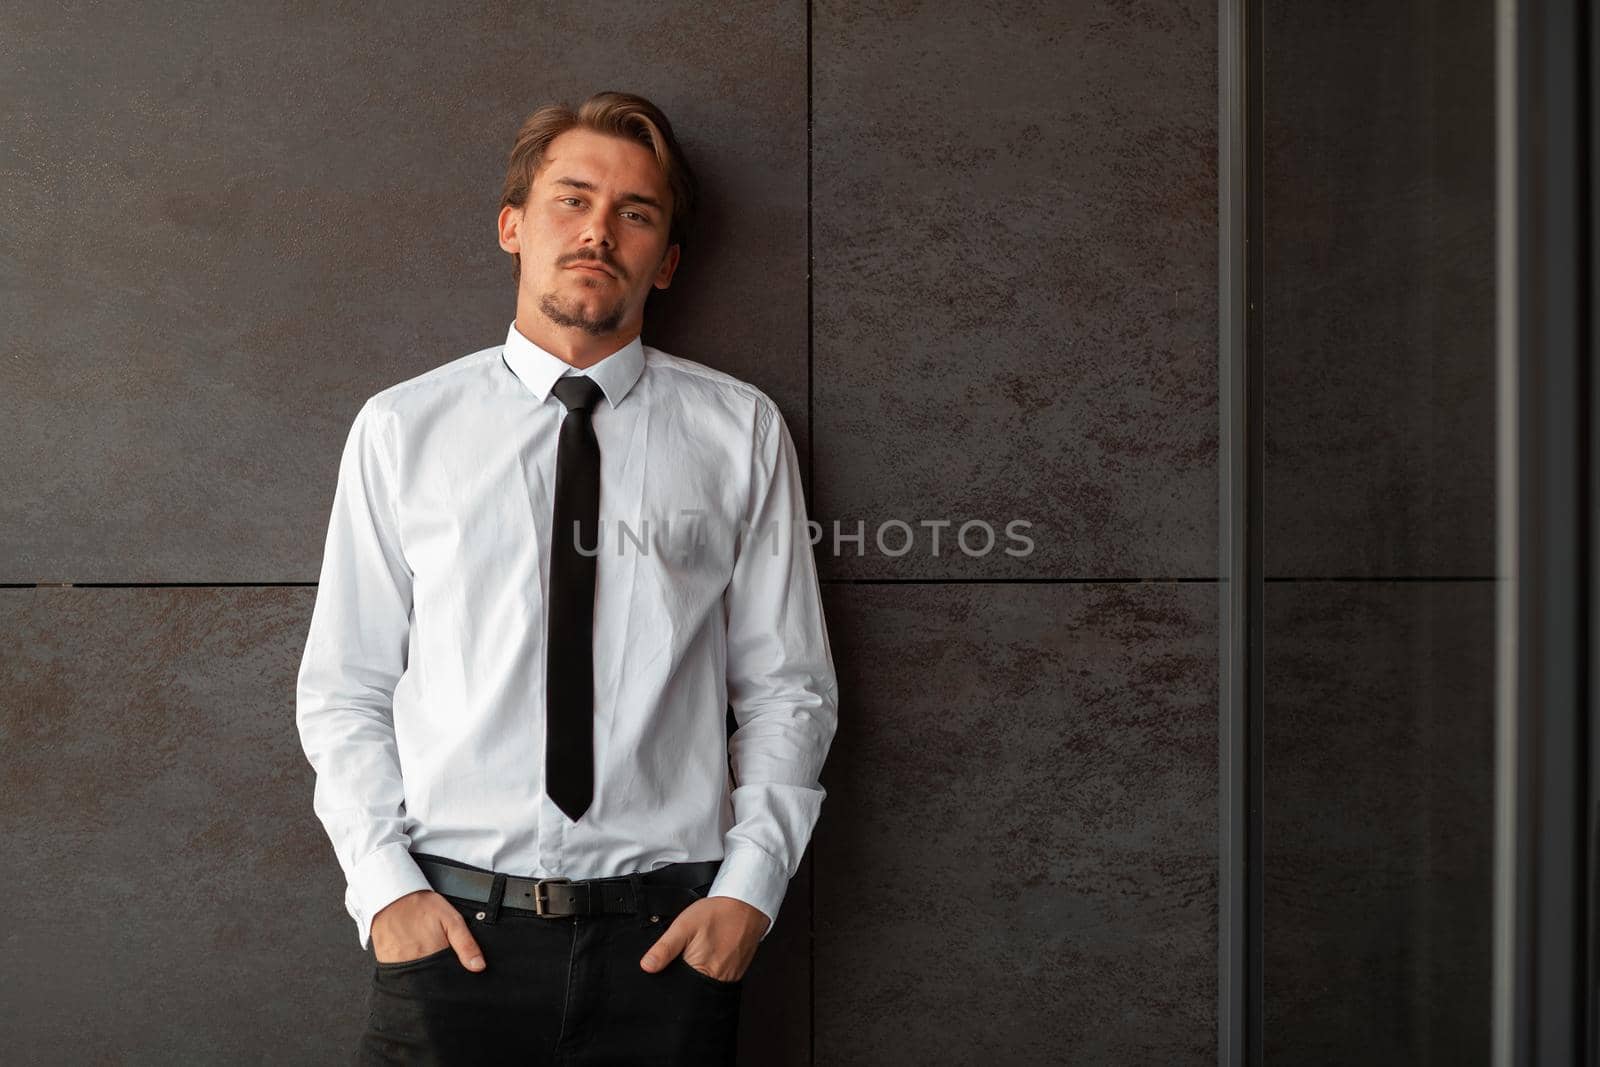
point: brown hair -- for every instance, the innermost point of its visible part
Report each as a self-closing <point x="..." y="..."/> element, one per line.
<point x="617" y="114"/>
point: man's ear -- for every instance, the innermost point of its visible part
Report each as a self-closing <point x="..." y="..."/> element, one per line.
<point x="509" y="228"/>
<point x="669" y="264"/>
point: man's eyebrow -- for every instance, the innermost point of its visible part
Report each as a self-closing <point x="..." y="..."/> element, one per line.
<point x="636" y="198"/>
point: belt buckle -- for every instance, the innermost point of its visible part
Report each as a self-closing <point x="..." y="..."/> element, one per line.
<point x="538" y="897"/>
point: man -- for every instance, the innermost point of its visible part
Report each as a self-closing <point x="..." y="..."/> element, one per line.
<point x="551" y="568"/>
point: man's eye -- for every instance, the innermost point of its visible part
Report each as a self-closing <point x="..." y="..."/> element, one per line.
<point x="571" y="199"/>
<point x="636" y="215"/>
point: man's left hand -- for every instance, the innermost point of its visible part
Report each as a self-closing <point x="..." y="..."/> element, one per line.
<point x="717" y="936"/>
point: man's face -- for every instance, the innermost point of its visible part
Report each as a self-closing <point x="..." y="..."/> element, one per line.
<point x="593" y="233"/>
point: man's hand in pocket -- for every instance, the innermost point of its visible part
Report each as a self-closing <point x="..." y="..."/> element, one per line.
<point x="419" y="924"/>
<point x="717" y="936"/>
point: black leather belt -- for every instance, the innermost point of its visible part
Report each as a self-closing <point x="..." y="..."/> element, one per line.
<point x="665" y="890"/>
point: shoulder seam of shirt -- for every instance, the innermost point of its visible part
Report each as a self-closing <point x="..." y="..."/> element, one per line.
<point x="460" y="365"/>
<point x="766" y="407"/>
<point x="668" y="361"/>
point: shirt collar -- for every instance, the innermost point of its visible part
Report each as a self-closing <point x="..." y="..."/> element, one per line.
<point x="538" y="368"/>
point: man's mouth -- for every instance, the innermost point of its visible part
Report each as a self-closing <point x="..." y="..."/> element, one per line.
<point x="597" y="268"/>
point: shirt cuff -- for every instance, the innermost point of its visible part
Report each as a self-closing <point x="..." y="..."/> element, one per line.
<point x="751" y="875"/>
<point x="378" y="881"/>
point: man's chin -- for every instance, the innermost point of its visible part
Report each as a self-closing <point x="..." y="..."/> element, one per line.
<point x="575" y="315"/>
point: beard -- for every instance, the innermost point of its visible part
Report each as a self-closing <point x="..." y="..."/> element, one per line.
<point x="572" y="315"/>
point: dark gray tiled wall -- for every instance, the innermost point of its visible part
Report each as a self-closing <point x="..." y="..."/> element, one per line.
<point x="1019" y="860"/>
<point x="1014" y="230"/>
<point x="1379" y="318"/>
<point x="1379" y="815"/>
<point x="1014" y="216"/>
<point x="1014" y="239"/>
<point x="172" y="897"/>
<point x="1380" y="422"/>
<point x="169" y="899"/>
<point x="229" y="225"/>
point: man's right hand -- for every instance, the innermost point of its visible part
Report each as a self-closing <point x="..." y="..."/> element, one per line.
<point x="419" y="924"/>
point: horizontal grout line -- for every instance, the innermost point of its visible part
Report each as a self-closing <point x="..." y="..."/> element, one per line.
<point x="1387" y="578"/>
<point x="158" y="585"/>
<point x="1133" y="581"/>
<point x="1002" y="581"/>
<point x="824" y="581"/>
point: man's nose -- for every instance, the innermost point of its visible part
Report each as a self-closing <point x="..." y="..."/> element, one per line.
<point x="600" y="232"/>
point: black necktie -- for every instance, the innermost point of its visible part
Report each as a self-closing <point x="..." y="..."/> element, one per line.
<point x="569" y="689"/>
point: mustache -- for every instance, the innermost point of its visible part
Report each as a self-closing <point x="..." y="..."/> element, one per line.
<point x="592" y="258"/>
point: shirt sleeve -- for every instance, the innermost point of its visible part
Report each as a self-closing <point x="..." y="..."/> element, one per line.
<point x="354" y="657"/>
<point x="781" y="681"/>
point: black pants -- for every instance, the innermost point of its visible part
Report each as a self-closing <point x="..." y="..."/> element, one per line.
<point x="565" y="991"/>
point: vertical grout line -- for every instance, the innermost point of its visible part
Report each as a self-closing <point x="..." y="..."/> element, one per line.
<point x="1238" y="585"/>
<point x="1253" y="353"/>
<point x="1588" y="36"/>
<point x="811" y="482"/>
<point x="811" y="446"/>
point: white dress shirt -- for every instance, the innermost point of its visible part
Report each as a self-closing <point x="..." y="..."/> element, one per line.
<point x="420" y="698"/>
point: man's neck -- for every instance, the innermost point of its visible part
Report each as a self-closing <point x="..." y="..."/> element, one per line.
<point x="572" y="347"/>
